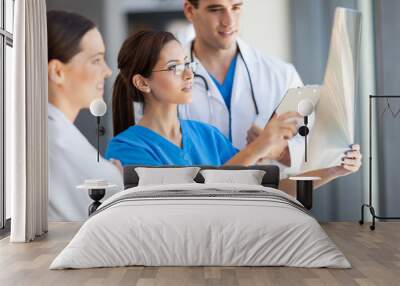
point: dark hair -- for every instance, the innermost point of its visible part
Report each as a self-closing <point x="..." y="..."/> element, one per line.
<point x="195" y="3"/>
<point x="138" y="55"/>
<point x="64" y="33"/>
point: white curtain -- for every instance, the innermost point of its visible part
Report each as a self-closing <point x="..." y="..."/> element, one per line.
<point x="26" y="123"/>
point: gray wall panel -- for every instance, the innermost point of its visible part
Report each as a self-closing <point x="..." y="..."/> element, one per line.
<point x="388" y="125"/>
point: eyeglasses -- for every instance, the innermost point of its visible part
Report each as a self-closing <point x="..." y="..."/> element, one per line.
<point x="178" y="69"/>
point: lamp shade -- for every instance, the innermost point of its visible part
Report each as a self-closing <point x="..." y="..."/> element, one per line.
<point x="305" y="107"/>
<point x="98" y="107"/>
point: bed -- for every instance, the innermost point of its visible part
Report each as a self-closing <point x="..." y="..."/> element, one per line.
<point x="201" y="224"/>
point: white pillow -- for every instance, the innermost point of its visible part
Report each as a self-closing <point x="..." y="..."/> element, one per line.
<point x="163" y="176"/>
<point x="248" y="177"/>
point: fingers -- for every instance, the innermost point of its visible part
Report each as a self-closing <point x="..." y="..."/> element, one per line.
<point x="286" y="134"/>
<point x="290" y="126"/>
<point x="351" y="165"/>
<point x="278" y="125"/>
<point x="353" y="155"/>
<point x="354" y="152"/>
<point x="251" y="137"/>
<point x="352" y="169"/>
<point x="287" y="115"/>
<point x="253" y="133"/>
<point x="293" y="131"/>
<point x="351" y="162"/>
<point x="254" y="130"/>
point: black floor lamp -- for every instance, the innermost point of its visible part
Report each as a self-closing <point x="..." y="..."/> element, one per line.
<point x="369" y="205"/>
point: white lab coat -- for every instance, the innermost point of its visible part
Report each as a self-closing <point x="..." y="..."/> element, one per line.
<point x="271" y="79"/>
<point x="72" y="159"/>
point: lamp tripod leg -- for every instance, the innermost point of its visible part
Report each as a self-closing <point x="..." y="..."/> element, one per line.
<point x="372" y="210"/>
<point x="305" y="148"/>
<point x="361" y="221"/>
<point x="98" y="138"/>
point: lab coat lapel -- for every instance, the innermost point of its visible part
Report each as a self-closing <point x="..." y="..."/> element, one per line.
<point x="243" y="112"/>
<point x="241" y="83"/>
<point x="215" y="94"/>
<point x="201" y="70"/>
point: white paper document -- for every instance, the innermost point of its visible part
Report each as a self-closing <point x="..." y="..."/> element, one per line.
<point x="333" y="130"/>
<point x="334" y="114"/>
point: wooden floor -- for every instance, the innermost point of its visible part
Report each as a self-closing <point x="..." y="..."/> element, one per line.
<point x="374" y="255"/>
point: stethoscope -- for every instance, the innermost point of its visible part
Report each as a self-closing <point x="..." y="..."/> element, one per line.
<point x="207" y="87"/>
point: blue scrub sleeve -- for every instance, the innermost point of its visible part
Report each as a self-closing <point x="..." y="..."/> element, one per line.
<point x="128" y="155"/>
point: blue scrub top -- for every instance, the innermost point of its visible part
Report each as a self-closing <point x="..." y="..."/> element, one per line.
<point x="202" y="144"/>
<point x="226" y="87"/>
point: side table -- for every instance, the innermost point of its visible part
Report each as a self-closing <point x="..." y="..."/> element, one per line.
<point x="96" y="190"/>
<point x="304" y="190"/>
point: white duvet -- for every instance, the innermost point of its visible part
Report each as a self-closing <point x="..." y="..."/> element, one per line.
<point x="266" y="229"/>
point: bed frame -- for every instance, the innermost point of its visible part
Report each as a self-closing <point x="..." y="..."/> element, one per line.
<point x="270" y="179"/>
<point x="304" y="192"/>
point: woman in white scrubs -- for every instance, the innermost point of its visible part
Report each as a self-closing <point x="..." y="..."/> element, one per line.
<point x="76" y="74"/>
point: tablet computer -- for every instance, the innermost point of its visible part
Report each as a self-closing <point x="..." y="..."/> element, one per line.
<point x="294" y="96"/>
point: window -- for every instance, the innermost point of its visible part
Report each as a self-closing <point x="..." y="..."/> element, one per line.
<point x="6" y="44"/>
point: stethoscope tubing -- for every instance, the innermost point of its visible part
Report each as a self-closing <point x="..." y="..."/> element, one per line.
<point x="207" y="87"/>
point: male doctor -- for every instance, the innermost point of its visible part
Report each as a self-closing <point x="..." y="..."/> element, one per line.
<point x="236" y="88"/>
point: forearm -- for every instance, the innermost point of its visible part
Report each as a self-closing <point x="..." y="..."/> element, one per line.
<point x="247" y="156"/>
<point x="326" y="175"/>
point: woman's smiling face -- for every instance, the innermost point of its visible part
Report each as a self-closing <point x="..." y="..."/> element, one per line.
<point x="86" y="72"/>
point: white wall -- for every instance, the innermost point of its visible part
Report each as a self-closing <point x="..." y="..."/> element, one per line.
<point x="266" y="25"/>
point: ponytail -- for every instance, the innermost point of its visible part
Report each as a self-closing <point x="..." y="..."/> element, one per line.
<point x="138" y="55"/>
<point x="122" y="104"/>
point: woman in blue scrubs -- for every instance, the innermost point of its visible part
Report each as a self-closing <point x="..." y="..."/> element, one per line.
<point x="155" y="72"/>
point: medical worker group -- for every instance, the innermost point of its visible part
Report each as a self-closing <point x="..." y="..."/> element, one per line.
<point x="219" y="108"/>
